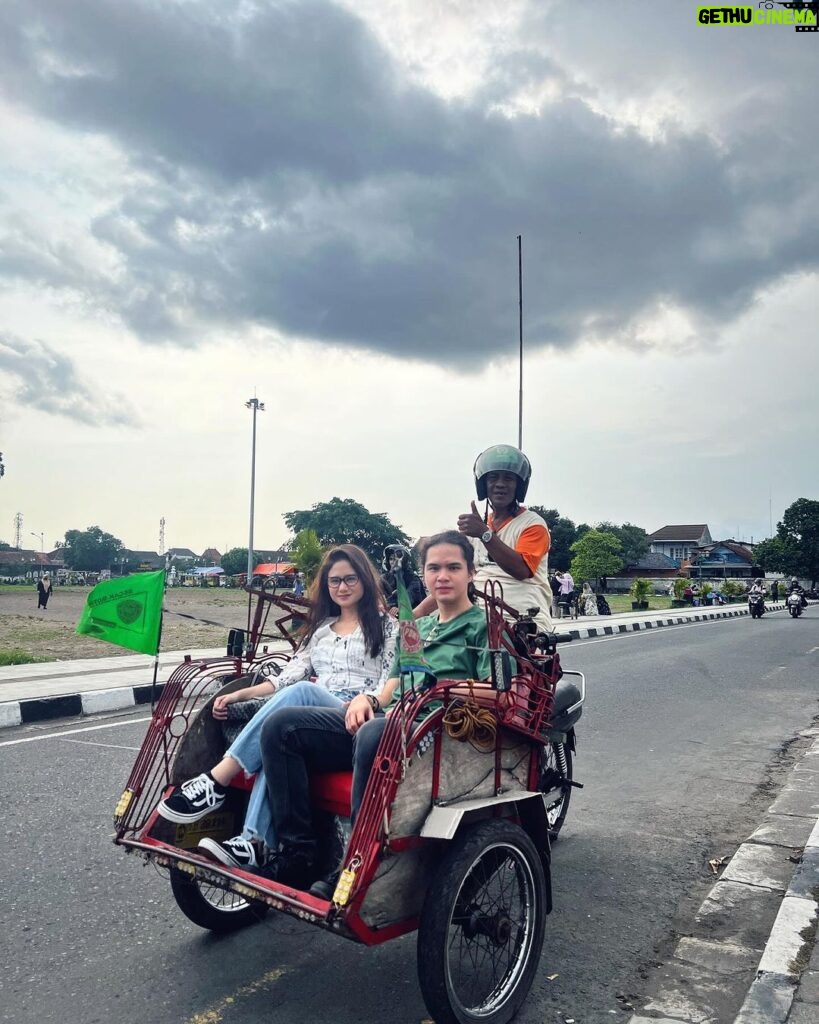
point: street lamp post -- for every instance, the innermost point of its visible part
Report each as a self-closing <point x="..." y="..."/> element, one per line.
<point x="256" y="406"/>
<point x="40" y="535"/>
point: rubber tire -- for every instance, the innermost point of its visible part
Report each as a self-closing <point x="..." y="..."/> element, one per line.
<point x="439" y="906"/>
<point x="189" y="899"/>
<point x="557" y="825"/>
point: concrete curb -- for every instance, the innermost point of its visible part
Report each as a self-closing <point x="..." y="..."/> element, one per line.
<point x="790" y="943"/>
<point x="759" y="874"/>
<point x="67" y="705"/>
<point x="657" y="623"/>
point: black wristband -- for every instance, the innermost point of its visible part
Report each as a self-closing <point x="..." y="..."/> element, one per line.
<point x="375" y="703"/>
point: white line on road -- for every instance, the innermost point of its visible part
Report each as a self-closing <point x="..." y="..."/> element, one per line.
<point x="813" y="650"/>
<point x="91" y="743"/>
<point x="71" y="732"/>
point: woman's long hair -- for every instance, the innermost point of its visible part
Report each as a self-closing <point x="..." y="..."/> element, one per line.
<point x="370" y="608"/>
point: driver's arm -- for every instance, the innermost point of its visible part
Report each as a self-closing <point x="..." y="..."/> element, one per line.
<point x="509" y="559"/>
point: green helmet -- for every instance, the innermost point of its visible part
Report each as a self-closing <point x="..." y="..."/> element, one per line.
<point x="502" y="458"/>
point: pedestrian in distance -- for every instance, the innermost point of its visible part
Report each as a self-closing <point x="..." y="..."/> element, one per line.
<point x="774" y="591"/>
<point x="554" y="583"/>
<point x="44" y="589"/>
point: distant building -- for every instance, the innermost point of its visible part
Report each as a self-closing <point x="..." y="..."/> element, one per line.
<point x="723" y="558"/>
<point x="24" y="562"/>
<point x="181" y="555"/>
<point x="210" y="556"/>
<point x="679" y="542"/>
<point x="141" y="559"/>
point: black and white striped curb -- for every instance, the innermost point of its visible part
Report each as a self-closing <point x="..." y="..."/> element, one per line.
<point x="757" y="922"/>
<point x="93" y="702"/>
<point x="658" y="623"/>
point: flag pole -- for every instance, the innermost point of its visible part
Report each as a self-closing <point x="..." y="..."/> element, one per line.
<point x="158" y="642"/>
<point x="520" y="336"/>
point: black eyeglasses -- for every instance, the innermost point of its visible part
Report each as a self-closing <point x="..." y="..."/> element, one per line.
<point x="334" y="582"/>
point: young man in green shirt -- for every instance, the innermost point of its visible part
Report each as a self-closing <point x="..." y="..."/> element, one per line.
<point x="296" y="741"/>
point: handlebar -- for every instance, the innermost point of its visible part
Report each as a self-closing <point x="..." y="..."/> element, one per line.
<point x="562" y="638"/>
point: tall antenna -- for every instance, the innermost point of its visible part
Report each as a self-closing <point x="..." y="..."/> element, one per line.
<point x="520" y="335"/>
<point x="770" y="511"/>
<point x="18" y="529"/>
<point x="162" y="536"/>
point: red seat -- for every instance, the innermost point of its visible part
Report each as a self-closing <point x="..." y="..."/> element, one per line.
<point x="329" y="791"/>
<point x="332" y="791"/>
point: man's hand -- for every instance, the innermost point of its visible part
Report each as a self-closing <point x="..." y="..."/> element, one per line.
<point x="471" y="523"/>
<point x="359" y="711"/>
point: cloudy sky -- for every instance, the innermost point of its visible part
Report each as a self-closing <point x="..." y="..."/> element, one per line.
<point x="319" y="202"/>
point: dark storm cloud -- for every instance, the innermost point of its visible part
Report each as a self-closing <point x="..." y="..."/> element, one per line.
<point x="298" y="182"/>
<point x="44" y="379"/>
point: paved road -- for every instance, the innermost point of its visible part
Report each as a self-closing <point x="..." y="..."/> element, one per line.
<point x="687" y="735"/>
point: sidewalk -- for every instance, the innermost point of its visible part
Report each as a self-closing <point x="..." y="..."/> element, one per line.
<point x="757" y="925"/>
<point x="60" y="689"/>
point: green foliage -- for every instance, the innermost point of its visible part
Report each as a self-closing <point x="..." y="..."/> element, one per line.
<point x="234" y="561"/>
<point x="799" y="536"/>
<point x="732" y="588"/>
<point x="595" y="554"/>
<point x="16" y="656"/>
<point x="90" y="550"/>
<point x="679" y="587"/>
<point x="4" y="546"/>
<point x="705" y="589"/>
<point x="563" y="534"/>
<point x="633" y="540"/>
<point x="641" y="589"/>
<point x="345" y="521"/>
<point x="307" y="553"/>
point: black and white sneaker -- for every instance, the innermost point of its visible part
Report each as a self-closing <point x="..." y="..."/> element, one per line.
<point x="193" y="800"/>
<point x="235" y="853"/>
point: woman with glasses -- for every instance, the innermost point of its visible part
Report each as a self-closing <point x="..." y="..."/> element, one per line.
<point x="349" y="647"/>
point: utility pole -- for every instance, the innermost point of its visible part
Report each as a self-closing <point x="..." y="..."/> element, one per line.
<point x="256" y="406"/>
<point x="520" y="338"/>
<point x="18" y="530"/>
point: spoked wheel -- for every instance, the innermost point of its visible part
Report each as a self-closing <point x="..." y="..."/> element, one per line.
<point x="555" y="774"/>
<point x="482" y="926"/>
<point x="217" y="910"/>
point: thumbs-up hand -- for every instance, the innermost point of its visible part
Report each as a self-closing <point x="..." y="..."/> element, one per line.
<point x="471" y="523"/>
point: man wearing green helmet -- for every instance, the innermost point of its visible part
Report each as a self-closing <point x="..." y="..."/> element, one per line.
<point x="512" y="543"/>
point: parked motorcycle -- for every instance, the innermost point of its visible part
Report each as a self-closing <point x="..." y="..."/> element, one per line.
<point x="795" y="604"/>
<point x="756" y="605"/>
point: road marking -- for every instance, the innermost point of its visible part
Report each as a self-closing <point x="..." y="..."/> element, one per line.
<point x="71" y="732"/>
<point x="775" y="672"/>
<point x="215" y="1014"/>
<point x="91" y="743"/>
<point x="813" y="650"/>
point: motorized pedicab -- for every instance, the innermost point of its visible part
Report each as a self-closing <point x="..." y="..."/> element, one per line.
<point x="470" y="785"/>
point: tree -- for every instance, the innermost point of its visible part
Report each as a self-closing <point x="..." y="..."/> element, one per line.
<point x="234" y="561"/>
<point x="4" y="546"/>
<point x="795" y="549"/>
<point x="596" y="554"/>
<point x="307" y="553"/>
<point x="345" y="521"/>
<point x="90" y="550"/>
<point x="633" y="540"/>
<point x="563" y="533"/>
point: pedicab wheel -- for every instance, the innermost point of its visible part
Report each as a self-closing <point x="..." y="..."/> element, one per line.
<point x="217" y="910"/>
<point x="556" y="768"/>
<point x="482" y="926"/>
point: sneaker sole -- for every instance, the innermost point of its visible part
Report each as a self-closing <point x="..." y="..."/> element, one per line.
<point x="184" y="819"/>
<point x="218" y="852"/>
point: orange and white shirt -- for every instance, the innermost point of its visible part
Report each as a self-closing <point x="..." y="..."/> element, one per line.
<point x="527" y="534"/>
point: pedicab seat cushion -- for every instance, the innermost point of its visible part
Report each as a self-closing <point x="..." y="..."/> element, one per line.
<point x="329" y="791"/>
<point x="332" y="791"/>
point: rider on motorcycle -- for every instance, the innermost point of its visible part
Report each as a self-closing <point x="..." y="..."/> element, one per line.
<point x="757" y="590"/>
<point x="795" y="587"/>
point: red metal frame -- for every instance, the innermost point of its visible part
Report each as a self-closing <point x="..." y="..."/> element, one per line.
<point x="524" y="708"/>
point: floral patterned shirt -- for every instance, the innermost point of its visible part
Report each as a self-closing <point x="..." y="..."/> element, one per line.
<point x="342" y="664"/>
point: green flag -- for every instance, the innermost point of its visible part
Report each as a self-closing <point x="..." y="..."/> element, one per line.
<point x="126" y="612"/>
<point x="411" y="646"/>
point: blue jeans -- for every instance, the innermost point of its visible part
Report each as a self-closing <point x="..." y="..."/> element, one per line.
<point x="247" y="750"/>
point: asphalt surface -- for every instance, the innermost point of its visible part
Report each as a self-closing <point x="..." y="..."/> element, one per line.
<point x="688" y="733"/>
